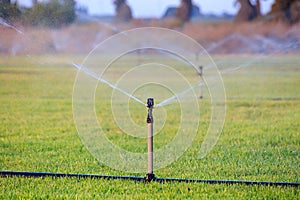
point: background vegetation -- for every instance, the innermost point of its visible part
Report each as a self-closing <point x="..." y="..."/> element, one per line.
<point x="53" y="13"/>
<point x="57" y="13"/>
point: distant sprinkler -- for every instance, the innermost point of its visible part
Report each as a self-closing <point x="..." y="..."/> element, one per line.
<point x="201" y="82"/>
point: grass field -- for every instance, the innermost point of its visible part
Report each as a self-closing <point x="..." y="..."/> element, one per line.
<point x="260" y="140"/>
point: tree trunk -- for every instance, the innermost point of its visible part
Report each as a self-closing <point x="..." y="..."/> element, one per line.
<point x="258" y="8"/>
<point x="247" y="11"/>
<point x="183" y="12"/>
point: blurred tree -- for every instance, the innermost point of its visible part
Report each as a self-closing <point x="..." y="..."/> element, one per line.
<point x="295" y="12"/>
<point x="7" y="2"/>
<point x="34" y="2"/>
<point x="123" y="11"/>
<point x="54" y="13"/>
<point x="286" y="10"/>
<point x="248" y="11"/>
<point x="184" y="11"/>
<point x="8" y="10"/>
<point x="69" y="10"/>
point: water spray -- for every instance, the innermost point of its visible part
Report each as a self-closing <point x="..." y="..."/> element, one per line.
<point x="102" y="80"/>
<point x="150" y="105"/>
<point x="8" y="25"/>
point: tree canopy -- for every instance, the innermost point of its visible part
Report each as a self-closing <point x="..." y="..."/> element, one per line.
<point x="286" y="10"/>
<point x="54" y="13"/>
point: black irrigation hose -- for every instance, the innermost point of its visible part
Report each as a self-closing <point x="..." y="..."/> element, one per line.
<point x="140" y="179"/>
<point x="230" y="182"/>
<point x="61" y="175"/>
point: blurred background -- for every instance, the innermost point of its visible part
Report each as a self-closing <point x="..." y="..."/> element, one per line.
<point x="156" y="8"/>
<point x="235" y="26"/>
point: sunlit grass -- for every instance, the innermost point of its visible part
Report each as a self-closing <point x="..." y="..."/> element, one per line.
<point x="260" y="140"/>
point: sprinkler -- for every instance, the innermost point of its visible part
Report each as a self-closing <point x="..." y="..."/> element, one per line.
<point x="150" y="175"/>
<point x="200" y="83"/>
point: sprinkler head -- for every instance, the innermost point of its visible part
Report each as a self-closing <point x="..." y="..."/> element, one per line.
<point x="200" y="70"/>
<point x="150" y="103"/>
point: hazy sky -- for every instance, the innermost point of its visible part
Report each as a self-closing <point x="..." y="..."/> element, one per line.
<point x="156" y="8"/>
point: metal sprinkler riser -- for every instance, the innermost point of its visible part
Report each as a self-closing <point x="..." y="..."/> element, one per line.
<point x="150" y="104"/>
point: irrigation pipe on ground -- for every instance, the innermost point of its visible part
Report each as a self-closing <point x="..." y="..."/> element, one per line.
<point x="143" y="179"/>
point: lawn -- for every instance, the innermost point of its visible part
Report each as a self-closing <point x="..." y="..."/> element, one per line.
<point x="260" y="140"/>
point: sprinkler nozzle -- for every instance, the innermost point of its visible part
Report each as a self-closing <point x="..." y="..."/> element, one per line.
<point x="150" y="103"/>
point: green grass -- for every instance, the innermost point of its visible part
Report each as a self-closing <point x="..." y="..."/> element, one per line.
<point x="260" y="140"/>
